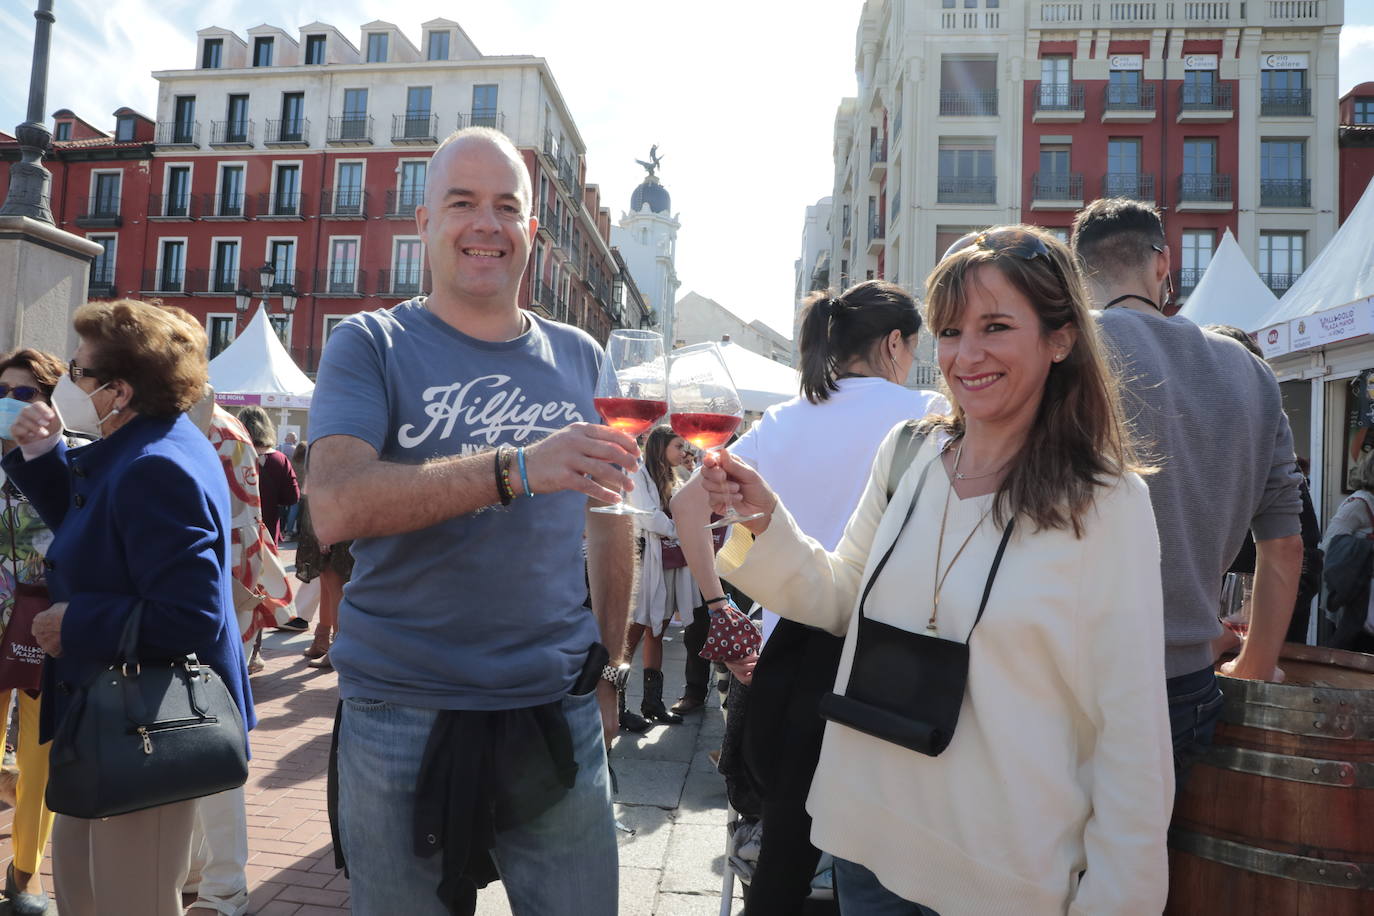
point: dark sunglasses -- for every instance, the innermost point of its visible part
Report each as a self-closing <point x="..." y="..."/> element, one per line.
<point x="24" y="393"/>
<point x="1017" y="243"/>
<point x="77" y="372"/>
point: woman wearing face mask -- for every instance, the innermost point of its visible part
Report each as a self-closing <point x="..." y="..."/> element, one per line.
<point x="140" y="516"/>
<point x="26" y="376"/>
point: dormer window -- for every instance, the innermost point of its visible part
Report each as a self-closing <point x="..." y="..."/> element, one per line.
<point x="124" y="128"/>
<point x="1364" y="110"/>
<point x="377" y="47"/>
<point x="64" y="130"/>
<point x="438" y="46"/>
<point x="262" y="52"/>
<point x="314" y="49"/>
<point x="211" y="54"/>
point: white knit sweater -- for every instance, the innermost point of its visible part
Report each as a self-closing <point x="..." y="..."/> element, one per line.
<point x="1062" y="759"/>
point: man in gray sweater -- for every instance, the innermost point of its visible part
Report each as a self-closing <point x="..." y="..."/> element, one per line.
<point x="1209" y="416"/>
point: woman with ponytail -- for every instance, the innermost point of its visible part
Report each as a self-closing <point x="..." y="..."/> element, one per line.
<point x="857" y="349"/>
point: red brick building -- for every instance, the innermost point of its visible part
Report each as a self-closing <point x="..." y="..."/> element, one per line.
<point x="1356" y="145"/>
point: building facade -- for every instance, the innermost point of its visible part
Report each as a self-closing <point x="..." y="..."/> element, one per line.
<point x="647" y="238"/>
<point x="812" y="268"/>
<point x="1356" y="145"/>
<point x="303" y="153"/>
<point x="976" y="112"/>
<point x="703" y="320"/>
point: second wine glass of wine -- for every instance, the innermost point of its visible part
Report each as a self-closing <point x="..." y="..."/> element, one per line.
<point x="706" y="409"/>
<point x="631" y="391"/>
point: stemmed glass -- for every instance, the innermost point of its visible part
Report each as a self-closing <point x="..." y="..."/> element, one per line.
<point x="631" y="391"/>
<point x="706" y="409"/>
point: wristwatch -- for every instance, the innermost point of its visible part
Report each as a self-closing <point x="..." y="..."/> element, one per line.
<point x="616" y="676"/>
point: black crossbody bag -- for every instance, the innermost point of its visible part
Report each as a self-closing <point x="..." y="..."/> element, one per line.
<point x="907" y="688"/>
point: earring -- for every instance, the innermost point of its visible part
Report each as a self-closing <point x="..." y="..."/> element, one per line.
<point x="1059" y="357"/>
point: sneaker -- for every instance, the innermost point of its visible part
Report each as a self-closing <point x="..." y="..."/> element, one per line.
<point x="299" y="624"/>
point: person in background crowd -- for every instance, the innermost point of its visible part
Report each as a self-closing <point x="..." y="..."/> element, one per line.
<point x="1179" y="380"/>
<point x="1053" y="793"/>
<point x="276" y="477"/>
<point x="141" y="516"/>
<point x="332" y="564"/>
<point x="661" y="592"/>
<point x="290" y="527"/>
<point x="1348" y="550"/>
<point x="857" y="348"/>
<point x="26" y="376"/>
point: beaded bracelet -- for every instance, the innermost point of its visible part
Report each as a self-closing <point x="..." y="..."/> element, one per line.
<point x="524" y="477"/>
<point x="503" y="462"/>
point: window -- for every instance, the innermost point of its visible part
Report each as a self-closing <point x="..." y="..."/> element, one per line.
<point x="1199" y="88"/>
<point x="64" y="131"/>
<point x="281" y="254"/>
<point x="287" y="200"/>
<point x="173" y="271"/>
<point x="966" y="173"/>
<point x="332" y="322"/>
<point x="343" y="265"/>
<point x="1284" y="92"/>
<point x="262" y="52"/>
<point x="412" y="192"/>
<point x="1195" y="256"/>
<point x="968" y="86"/>
<point x="184" y="119"/>
<point x="1282" y="258"/>
<point x="1123" y="169"/>
<point x="226" y="266"/>
<point x="236" y="130"/>
<point x="221" y="333"/>
<point x="1364" y="111"/>
<point x="417" y="111"/>
<point x="1123" y="89"/>
<point x="282" y="325"/>
<point x="376" y="48"/>
<point x="1054" y="181"/>
<point x="348" y="188"/>
<point x="230" y="191"/>
<point x="354" y="125"/>
<point x="1283" y="173"/>
<point x="314" y="49"/>
<point x="124" y="128"/>
<point x="102" y="269"/>
<point x="292" y="116"/>
<point x="1054" y="81"/>
<point x="106" y="201"/>
<point x="408" y="264"/>
<point x="211" y="53"/>
<point x="484" y="106"/>
<point x="178" y="191"/>
<point x="438" y="46"/>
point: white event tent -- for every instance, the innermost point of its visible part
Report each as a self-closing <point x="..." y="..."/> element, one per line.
<point x="760" y="381"/>
<point x="256" y="369"/>
<point x="1230" y="292"/>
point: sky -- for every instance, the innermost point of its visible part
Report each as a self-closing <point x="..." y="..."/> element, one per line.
<point x="740" y="97"/>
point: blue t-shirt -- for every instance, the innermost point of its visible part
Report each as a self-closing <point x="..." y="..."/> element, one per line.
<point x="485" y="610"/>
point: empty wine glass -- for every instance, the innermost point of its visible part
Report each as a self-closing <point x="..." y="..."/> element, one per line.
<point x="631" y="391"/>
<point x="706" y="409"/>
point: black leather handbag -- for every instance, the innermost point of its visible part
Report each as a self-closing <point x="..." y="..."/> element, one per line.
<point x="906" y="688"/>
<point x="141" y="735"/>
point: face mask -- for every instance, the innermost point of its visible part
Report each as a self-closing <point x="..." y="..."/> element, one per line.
<point x="76" y="408"/>
<point x="9" y="412"/>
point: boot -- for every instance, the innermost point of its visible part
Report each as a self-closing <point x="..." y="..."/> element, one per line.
<point x="629" y="721"/>
<point x="652" y="706"/>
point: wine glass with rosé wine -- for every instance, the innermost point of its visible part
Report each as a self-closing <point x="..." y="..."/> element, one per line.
<point x="706" y="409"/>
<point x="631" y="391"/>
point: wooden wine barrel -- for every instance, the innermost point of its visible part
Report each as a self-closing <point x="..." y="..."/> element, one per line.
<point x="1278" y="818"/>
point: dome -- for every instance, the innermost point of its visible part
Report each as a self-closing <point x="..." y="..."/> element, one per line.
<point x="653" y="193"/>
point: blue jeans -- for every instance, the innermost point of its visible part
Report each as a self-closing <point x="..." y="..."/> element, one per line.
<point x="1195" y="703"/>
<point x="861" y="894"/>
<point x="564" y="861"/>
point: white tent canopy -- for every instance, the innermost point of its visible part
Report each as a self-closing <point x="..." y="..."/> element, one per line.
<point x="1230" y="292"/>
<point x="760" y="381"/>
<point x="257" y="364"/>
<point x="1343" y="273"/>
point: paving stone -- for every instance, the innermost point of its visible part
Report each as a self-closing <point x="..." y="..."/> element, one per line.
<point x="649" y="846"/>
<point x="703" y="799"/>
<point x="696" y="859"/>
<point x="694" y="905"/>
<point x="649" y="782"/>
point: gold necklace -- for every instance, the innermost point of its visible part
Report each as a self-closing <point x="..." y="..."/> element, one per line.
<point x="940" y="548"/>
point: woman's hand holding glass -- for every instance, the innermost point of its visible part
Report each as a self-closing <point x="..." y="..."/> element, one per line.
<point x="730" y="482"/>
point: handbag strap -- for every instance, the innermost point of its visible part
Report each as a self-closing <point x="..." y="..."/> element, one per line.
<point x="128" y="640"/>
<point x="910" y="509"/>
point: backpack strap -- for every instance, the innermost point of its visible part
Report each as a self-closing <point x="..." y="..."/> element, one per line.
<point x="908" y="444"/>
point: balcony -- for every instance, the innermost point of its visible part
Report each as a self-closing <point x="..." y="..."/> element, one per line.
<point x="222" y="282"/>
<point x="349" y="203"/>
<point x="288" y="132"/>
<point x="548" y="223"/>
<point x="231" y="134"/>
<point x="1128" y="103"/>
<point x="877" y="160"/>
<point x="1059" y="102"/>
<point x="955" y="189"/>
<point x="414" y="129"/>
<point x="1206" y="103"/>
<point x="980" y="103"/>
<point x="164" y="281"/>
<point x="222" y="206"/>
<point x="1188" y="279"/>
<point x="341" y="280"/>
<point x="1279" y="283"/>
<point x="98" y="212"/>
<point x="184" y="134"/>
<point x="1285" y="103"/>
<point x="485" y="117"/>
<point x="278" y="205"/>
<point x="1204" y="192"/>
<point x="894" y="208"/>
<point x="101" y="283"/>
<point x="1133" y="185"/>
<point x="876" y="234"/>
<point x="1057" y="191"/>
<point x="171" y="207"/>
<point x="567" y="173"/>
<point x="401" y="204"/>
<point x="407" y="282"/>
<point x="1285" y="192"/>
<point x="349" y="130"/>
<point x="548" y="141"/>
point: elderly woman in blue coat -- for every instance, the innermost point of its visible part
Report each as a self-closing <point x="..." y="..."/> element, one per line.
<point x="140" y="514"/>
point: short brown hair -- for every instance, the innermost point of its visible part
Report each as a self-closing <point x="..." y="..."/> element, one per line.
<point x="1078" y="439"/>
<point x="45" y="368"/>
<point x="156" y="351"/>
<point x="259" y="426"/>
<point x="1116" y="235"/>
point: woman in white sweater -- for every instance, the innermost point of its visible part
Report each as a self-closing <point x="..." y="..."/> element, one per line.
<point x="1054" y="791"/>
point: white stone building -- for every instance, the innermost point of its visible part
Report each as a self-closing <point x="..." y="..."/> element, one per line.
<point x="813" y="267"/>
<point x="700" y="320"/>
<point x="647" y="239"/>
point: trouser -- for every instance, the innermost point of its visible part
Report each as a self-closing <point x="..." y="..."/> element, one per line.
<point x="219" y="846"/>
<point x="787" y="860"/>
<point x="1195" y="703"/>
<point x="696" y="670"/>
<point x="861" y="894"/>
<point x="563" y="861"/>
<point x="32" y="819"/>
<point x="128" y="865"/>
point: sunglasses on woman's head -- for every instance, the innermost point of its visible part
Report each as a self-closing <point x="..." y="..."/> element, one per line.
<point x="1016" y="242"/>
<point x="24" y="393"/>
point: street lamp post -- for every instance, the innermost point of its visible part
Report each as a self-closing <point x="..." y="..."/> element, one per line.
<point x="30" y="183"/>
<point x="267" y="273"/>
